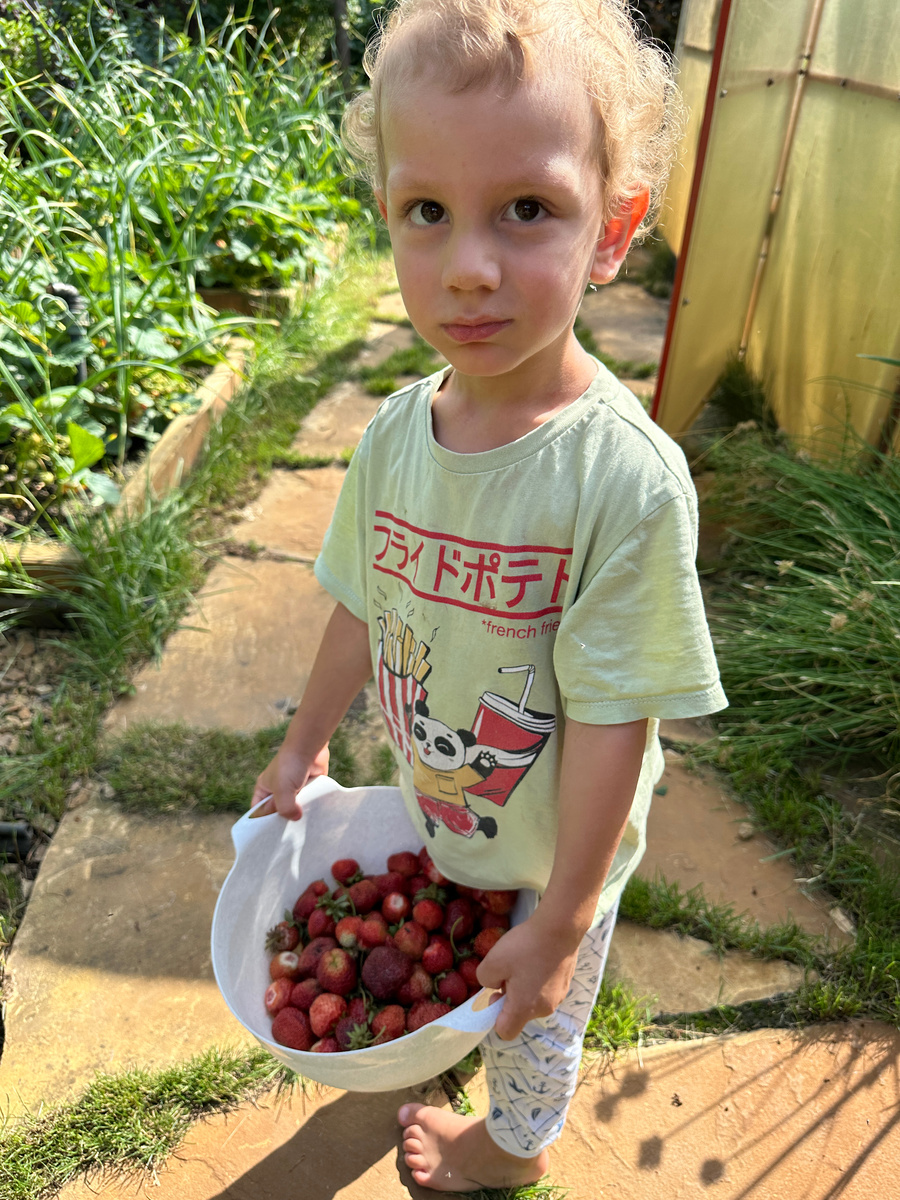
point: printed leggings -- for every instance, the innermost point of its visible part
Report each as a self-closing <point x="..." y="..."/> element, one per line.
<point x="531" y="1079"/>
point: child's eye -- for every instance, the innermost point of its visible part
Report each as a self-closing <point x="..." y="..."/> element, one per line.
<point x="426" y="212"/>
<point x="525" y="210"/>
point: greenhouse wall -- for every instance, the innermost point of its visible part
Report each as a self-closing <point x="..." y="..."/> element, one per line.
<point x="799" y="279"/>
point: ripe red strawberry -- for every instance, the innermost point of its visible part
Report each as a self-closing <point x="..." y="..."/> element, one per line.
<point x="336" y="971"/>
<point x="437" y="956"/>
<point x="432" y="872"/>
<point x="487" y="940"/>
<point x="468" y="968"/>
<point x="392" y="881"/>
<point x="472" y="893"/>
<point x="490" y="920"/>
<point x="278" y="995"/>
<point x="304" y="992"/>
<point x="415" y="884"/>
<point x="347" y="932"/>
<point x="309" y="899"/>
<point x="459" y="919"/>
<point x="283" y="936"/>
<point x="411" y="938"/>
<point x="385" y="970"/>
<point x="395" y="907"/>
<point x="358" y="1010"/>
<point x="309" y="959"/>
<point x="429" y="914"/>
<point x="325" y="1045"/>
<point x="285" y="965"/>
<point x="424" y="1012"/>
<point x="373" y="931"/>
<point x="452" y="988"/>
<point x="424" y="858"/>
<point x="320" y="923"/>
<point x="499" y="902"/>
<point x="364" y="895"/>
<point x="352" y="1036"/>
<point x="405" y="862"/>
<point x="389" y="1023"/>
<point x="345" y="870"/>
<point x="291" y="1028"/>
<point x="419" y="986"/>
<point x="325" y="1013"/>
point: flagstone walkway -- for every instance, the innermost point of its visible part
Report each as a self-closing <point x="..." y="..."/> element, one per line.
<point x="111" y="966"/>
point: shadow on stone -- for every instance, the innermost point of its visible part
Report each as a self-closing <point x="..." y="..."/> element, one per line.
<point x="634" y="1084"/>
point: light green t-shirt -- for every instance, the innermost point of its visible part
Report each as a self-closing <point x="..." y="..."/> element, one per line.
<point x="507" y="590"/>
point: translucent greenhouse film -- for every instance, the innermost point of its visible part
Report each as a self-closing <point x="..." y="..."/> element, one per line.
<point x="785" y="212"/>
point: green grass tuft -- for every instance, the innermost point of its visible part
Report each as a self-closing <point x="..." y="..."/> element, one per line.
<point x="418" y="359"/>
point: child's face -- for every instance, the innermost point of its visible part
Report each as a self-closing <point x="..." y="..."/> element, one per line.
<point x="495" y="214"/>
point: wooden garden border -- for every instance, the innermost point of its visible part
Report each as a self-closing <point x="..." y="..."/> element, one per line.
<point x="169" y="462"/>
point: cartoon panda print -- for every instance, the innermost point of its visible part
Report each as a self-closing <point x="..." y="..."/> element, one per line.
<point x="446" y="761"/>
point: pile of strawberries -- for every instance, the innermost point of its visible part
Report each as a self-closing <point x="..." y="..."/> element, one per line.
<point x="378" y="956"/>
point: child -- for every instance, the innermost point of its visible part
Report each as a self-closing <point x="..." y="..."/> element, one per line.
<point x="513" y="548"/>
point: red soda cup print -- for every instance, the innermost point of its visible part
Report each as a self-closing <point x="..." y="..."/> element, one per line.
<point x="516" y="732"/>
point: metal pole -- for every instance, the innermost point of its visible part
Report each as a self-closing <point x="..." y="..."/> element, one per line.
<point x="812" y="33"/>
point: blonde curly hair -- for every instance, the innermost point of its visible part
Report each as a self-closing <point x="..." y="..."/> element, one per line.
<point x="467" y="44"/>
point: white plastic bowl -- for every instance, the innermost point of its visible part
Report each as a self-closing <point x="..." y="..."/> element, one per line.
<point x="275" y="860"/>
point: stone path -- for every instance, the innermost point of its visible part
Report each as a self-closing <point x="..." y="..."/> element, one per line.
<point x="114" y="949"/>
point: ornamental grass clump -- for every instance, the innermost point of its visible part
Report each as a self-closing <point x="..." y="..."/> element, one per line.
<point x="806" y="616"/>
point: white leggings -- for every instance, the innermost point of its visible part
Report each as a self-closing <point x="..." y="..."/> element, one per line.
<point x="531" y="1079"/>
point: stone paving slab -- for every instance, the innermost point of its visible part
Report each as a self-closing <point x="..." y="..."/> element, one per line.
<point x="337" y="423"/>
<point x="111" y="966"/>
<point x="758" y="1116"/>
<point x="247" y="656"/>
<point x="693" y="838"/>
<point x="292" y="512"/>
<point x="626" y="321"/>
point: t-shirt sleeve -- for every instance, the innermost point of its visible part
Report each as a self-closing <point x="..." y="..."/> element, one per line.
<point x="340" y="566"/>
<point x="636" y="643"/>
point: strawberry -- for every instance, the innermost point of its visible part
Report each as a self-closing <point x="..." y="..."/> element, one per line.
<point x="373" y="931"/>
<point x="347" y="932"/>
<point x="392" y="881"/>
<point x="385" y="970"/>
<point x="424" y="858"/>
<point x="452" y="988"/>
<point x="499" y="902"/>
<point x="459" y="919"/>
<point x="358" y="1010"/>
<point x="471" y="893"/>
<point x="433" y="874"/>
<point x="325" y="1013"/>
<point x="309" y="959"/>
<point x="487" y="940"/>
<point x="283" y="936"/>
<point x="291" y="1028"/>
<point x="437" y="956"/>
<point x="325" y="1045"/>
<point x="429" y="914"/>
<point x="395" y="907"/>
<point x="346" y="870"/>
<point x="309" y="899"/>
<point x="389" y="1023"/>
<point x="364" y="895"/>
<point x="419" y="986"/>
<point x="336" y="971"/>
<point x="490" y="920"/>
<point x="412" y="939"/>
<point x="320" y="923"/>
<point x="278" y="995"/>
<point x="404" y="861"/>
<point x="285" y="965"/>
<point x="351" y="1036"/>
<point x="423" y="1012"/>
<point x="415" y="884"/>
<point x="468" y="968"/>
<point x="304" y="992"/>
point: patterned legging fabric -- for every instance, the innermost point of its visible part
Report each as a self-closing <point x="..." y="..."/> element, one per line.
<point x="531" y="1079"/>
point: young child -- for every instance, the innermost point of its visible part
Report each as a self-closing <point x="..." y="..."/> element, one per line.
<point x="513" y="549"/>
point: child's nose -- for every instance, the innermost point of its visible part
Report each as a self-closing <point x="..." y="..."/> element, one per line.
<point x="470" y="262"/>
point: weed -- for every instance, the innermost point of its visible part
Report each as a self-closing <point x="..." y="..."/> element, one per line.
<point x="419" y="359"/>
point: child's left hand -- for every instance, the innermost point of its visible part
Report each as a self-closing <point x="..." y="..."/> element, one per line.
<point x="534" y="971"/>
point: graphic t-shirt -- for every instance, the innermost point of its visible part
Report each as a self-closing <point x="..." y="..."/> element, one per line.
<point x="508" y="590"/>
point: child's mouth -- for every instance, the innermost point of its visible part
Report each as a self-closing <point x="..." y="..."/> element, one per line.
<point x="475" y="333"/>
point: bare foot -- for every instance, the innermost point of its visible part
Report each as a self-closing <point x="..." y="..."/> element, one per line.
<point x="451" y="1153"/>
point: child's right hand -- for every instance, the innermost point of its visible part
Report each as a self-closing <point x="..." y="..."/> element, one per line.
<point x="283" y="778"/>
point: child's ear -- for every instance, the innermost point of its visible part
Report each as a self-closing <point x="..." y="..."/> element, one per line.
<point x="617" y="234"/>
<point x="379" y="200"/>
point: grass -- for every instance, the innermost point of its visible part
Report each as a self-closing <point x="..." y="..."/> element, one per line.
<point x="130" y="1121"/>
<point x="418" y="359"/>
<point x="622" y="368"/>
